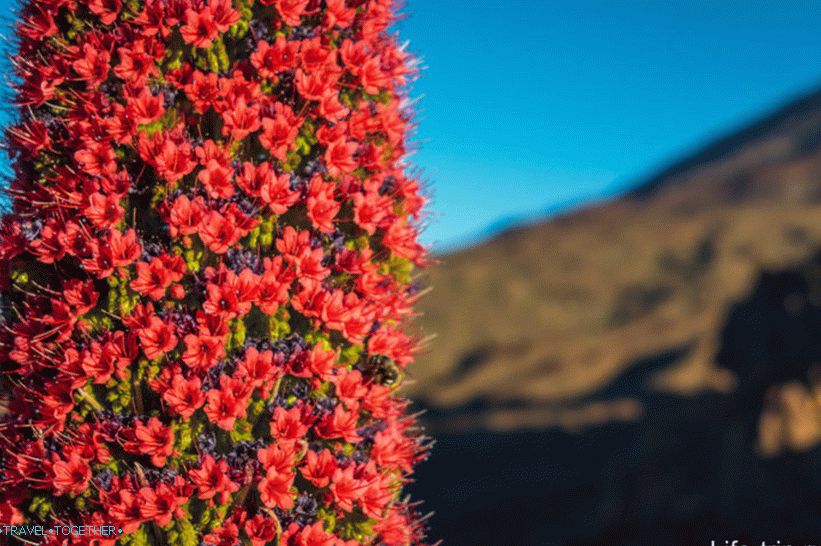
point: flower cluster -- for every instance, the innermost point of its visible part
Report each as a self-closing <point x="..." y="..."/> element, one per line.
<point x="208" y="273"/>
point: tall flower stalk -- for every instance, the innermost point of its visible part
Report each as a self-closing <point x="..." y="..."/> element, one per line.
<point x="207" y="274"/>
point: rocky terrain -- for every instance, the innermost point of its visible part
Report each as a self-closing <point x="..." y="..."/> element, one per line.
<point x="643" y="371"/>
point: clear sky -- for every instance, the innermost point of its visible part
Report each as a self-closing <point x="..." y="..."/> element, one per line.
<point x="530" y="105"/>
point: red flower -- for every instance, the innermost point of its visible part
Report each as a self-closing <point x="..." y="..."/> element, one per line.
<point x="260" y="530"/>
<point x="308" y="300"/>
<point x="293" y="243"/>
<point x="12" y="241"/>
<point x="157" y="339"/>
<point x="376" y="497"/>
<point x="80" y="295"/>
<point x="38" y="25"/>
<point x="124" y="247"/>
<point x="154" y="439"/>
<point x="310" y="535"/>
<point x="211" y="479"/>
<point x="316" y="85"/>
<point x="223" y="14"/>
<point x="30" y="136"/>
<point x="98" y="366"/>
<point x="318" y="469"/>
<point x="140" y="316"/>
<point x="340" y="157"/>
<point x="223" y="409"/>
<point x="278" y="195"/>
<point x="331" y="109"/>
<point x="270" y="59"/>
<point x="322" y="207"/>
<point x="211" y="150"/>
<point x="200" y="28"/>
<point x="228" y="403"/>
<point x="401" y="239"/>
<point x="100" y="261"/>
<point x="156" y="16"/>
<point x="350" y="387"/>
<point x="121" y="126"/>
<point x="71" y="476"/>
<point x="217" y="180"/>
<point x="211" y="325"/>
<point x="219" y="232"/>
<point x="146" y="107"/>
<point x="104" y="211"/>
<point x="202" y="91"/>
<point x="49" y="247"/>
<point x="164" y="502"/>
<point x="338" y="14"/>
<point x="297" y="250"/>
<point x="257" y="368"/>
<point x="345" y="488"/>
<point x="279" y="132"/>
<point x="290" y="425"/>
<point x="316" y="55"/>
<point x="173" y="161"/>
<point x="335" y="310"/>
<point x="254" y="178"/>
<point x="290" y="10"/>
<point x="10" y="508"/>
<point x="122" y="348"/>
<point x="97" y="159"/>
<point x="274" y="285"/>
<point x="392" y="448"/>
<point x="275" y="489"/>
<point x="185" y="396"/>
<point x="185" y="215"/>
<point x="106" y="10"/>
<point x="238" y="291"/>
<point x="152" y="279"/>
<point x="202" y="352"/>
<point x="396" y="529"/>
<point x="136" y="64"/>
<point x="224" y="534"/>
<point x="321" y="361"/>
<point x="238" y="88"/>
<point x="278" y="457"/>
<point x="372" y="77"/>
<point x="126" y="508"/>
<point x="371" y="210"/>
<point x="241" y="120"/>
<point x="38" y="88"/>
<point x="341" y="423"/>
<point x="93" y="65"/>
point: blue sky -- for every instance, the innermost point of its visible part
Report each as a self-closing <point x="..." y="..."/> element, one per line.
<point x="532" y="105"/>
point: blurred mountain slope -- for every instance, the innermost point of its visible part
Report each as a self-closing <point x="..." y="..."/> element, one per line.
<point x="643" y="371"/>
<point x="547" y="315"/>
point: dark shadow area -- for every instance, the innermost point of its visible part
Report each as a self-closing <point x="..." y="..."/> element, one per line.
<point x="688" y="472"/>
